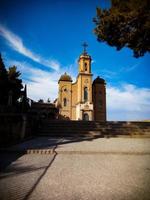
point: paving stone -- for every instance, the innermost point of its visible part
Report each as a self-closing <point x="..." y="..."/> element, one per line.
<point x="81" y="174"/>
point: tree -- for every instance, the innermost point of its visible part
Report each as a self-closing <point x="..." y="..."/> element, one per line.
<point x="10" y="84"/>
<point x="3" y="83"/>
<point x="40" y="101"/>
<point x="15" y="84"/>
<point x="125" y="24"/>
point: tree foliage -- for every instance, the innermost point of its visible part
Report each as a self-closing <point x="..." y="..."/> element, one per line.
<point x="40" y="101"/>
<point x="15" y="84"/>
<point x="9" y="83"/>
<point x="125" y="24"/>
<point x="3" y="83"/>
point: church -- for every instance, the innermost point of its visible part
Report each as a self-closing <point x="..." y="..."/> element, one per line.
<point x="85" y="99"/>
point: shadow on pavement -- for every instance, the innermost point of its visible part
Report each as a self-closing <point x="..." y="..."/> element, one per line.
<point x="12" y="153"/>
<point x="40" y="177"/>
<point x="6" y="159"/>
<point x="10" y="170"/>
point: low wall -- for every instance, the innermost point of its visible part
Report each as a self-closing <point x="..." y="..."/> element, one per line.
<point x="16" y="127"/>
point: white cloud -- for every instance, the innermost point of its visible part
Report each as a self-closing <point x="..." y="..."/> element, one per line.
<point x="41" y="84"/>
<point x="72" y="69"/>
<point x="16" y="43"/>
<point x="128" y="103"/>
<point x="129" y="68"/>
<point x="110" y="74"/>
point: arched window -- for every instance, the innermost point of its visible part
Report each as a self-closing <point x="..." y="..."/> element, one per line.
<point x="85" y="66"/>
<point x="65" y="102"/>
<point x="85" y="94"/>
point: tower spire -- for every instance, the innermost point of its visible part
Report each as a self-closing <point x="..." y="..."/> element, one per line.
<point x="85" y="45"/>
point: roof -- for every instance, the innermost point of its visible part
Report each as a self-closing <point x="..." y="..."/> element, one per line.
<point x="85" y="55"/>
<point x="65" y="77"/>
<point x="99" y="80"/>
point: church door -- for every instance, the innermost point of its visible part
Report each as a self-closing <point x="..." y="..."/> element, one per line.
<point x="85" y="117"/>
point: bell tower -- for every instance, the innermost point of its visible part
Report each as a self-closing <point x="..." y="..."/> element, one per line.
<point x="84" y="105"/>
<point x="84" y="61"/>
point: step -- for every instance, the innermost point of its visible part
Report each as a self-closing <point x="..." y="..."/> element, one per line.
<point x="69" y="128"/>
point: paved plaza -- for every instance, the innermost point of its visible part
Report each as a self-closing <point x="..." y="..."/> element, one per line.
<point x="75" y="168"/>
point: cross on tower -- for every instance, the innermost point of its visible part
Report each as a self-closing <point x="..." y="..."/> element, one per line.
<point x="85" y="45"/>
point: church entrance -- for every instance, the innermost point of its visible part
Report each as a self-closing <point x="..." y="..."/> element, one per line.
<point x="85" y="117"/>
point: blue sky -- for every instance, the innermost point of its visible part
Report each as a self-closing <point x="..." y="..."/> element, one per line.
<point x="43" y="38"/>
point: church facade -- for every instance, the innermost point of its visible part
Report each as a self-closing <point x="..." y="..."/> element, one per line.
<point x="85" y="99"/>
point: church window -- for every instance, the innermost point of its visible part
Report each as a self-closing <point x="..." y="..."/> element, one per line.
<point x="65" y="102"/>
<point x="85" y="66"/>
<point x="85" y="94"/>
<point x="65" y="90"/>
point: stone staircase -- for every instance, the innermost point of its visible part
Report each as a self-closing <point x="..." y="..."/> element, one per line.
<point x="93" y="128"/>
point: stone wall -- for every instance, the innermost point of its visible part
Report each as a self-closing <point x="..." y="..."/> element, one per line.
<point x="16" y="127"/>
